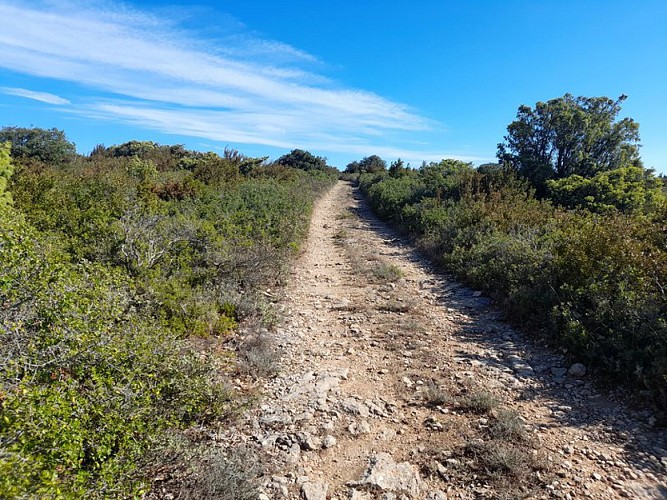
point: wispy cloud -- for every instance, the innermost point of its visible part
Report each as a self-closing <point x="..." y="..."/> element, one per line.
<point x="153" y="74"/>
<point x="37" y="96"/>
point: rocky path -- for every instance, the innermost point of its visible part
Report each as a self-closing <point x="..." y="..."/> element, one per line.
<point x="399" y="383"/>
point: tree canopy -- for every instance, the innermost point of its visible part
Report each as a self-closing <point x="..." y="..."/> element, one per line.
<point x="304" y="160"/>
<point x="570" y="136"/>
<point x="48" y="146"/>
<point x="133" y="148"/>
<point x="398" y="168"/>
<point x="367" y="165"/>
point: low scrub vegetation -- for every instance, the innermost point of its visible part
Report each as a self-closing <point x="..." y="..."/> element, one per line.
<point x="577" y="253"/>
<point x="434" y="395"/>
<point x="479" y="401"/>
<point x="500" y="460"/>
<point x="231" y="476"/>
<point x="508" y="426"/>
<point x="399" y="305"/>
<point x="386" y="272"/>
<point x="123" y="274"/>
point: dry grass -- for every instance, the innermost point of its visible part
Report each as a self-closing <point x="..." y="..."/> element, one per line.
<point x="230" y="476"/>
<point x="479" y="401"/>
<point x="508" y="426"/>
<point x="258" y="356"/>
<point x="399" y="305"/>
<point x="434" y="394"/>
<point x="386" y="272"/>
<point x="502" y="459"/>
<point x="413" y="325"/>
<point x="349" y="213"/>
<point x="341" y="235"/>
<point x="499" y="459"/>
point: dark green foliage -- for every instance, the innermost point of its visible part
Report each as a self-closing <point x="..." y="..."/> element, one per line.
<point x="372" y="164"/>
<point x="594" y="282"/>
<point x="48" y="146"/>
<point x="86" y="383"/>
<point x="367" y="165"/>
<point x="209" y="167"/>
<point x="352" y="168"/>
<point x="303" y="160"/>
<point x="663" y="179"/>
<point x="113" y="270"/>
<point x="628" y="189"/>
<point x="163" y="157"/>
<point x="398" y="168"/>
<point x="570" y="136"/>
<point x="142" y="149"/>
<point x="390" y="195"/>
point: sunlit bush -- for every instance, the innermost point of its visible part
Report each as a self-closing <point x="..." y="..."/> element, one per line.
<point x="593" y="282"/>
<point x="114" y="268"/>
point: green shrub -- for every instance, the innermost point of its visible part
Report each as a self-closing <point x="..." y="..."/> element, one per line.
<point x="479" y="401"/>
<point x="593" y="282"/>
<point x="6" y="171"/>
<point x="628" y="189"/>
<point x="515" y="269"/>
<point x="86" y="385"/>
<point x="385" y="271"/>
<point x="113" y="268"/>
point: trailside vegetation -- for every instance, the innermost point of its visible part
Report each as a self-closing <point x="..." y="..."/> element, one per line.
<point x="585" y="262"/>
<point x="570" y="136"/>
<point x="124" y="277"/>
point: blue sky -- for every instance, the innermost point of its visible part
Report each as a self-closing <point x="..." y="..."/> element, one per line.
<point x="419" y="80"/>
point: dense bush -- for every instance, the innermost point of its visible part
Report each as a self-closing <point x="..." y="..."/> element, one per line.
<point x="86" y="382"/>
<point x="594" y="282"/>
<point x="628" y="189"/>
<point x="113" y="269"/>
<point x="6" y="171"/>
<point x="367" y="165"/>
<point x="303" y="160"/>
<point x="49" y="146"/>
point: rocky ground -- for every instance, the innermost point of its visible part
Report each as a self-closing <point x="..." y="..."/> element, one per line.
<point x="397" y="382"/>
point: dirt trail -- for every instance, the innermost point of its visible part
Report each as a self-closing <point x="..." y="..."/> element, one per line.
<point x="411" y="387"/>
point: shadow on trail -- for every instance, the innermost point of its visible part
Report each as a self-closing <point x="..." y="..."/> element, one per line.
<point x="573" y="402"/>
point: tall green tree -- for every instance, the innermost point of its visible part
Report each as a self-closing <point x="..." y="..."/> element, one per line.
<point x="49" y="146"/>
<point x="570" y="136"/>
<point x="397" y="168"/>
<point x="352" y="167"/>
<point x="372" y="164"/>
<point x="304" y="160"/>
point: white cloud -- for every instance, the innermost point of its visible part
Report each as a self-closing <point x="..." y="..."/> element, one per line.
<point x="156" y="75"/>
<point x="37" y="96"/>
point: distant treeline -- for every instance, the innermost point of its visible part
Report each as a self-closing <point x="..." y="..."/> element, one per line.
<point x="121" y="274"/>
<point x="567" y="232"/>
